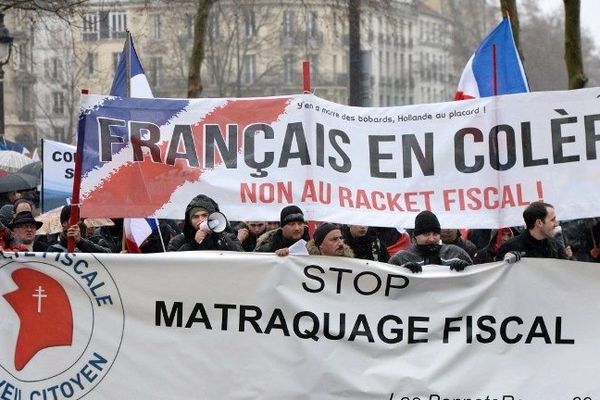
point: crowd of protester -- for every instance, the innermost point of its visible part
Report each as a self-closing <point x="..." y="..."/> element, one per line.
<point x="427" y="243"/>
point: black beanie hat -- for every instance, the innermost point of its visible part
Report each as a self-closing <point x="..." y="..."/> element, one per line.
<point x="322" y="231"/>
<point x="291" y="214"/>
<point x="425" y="222"/>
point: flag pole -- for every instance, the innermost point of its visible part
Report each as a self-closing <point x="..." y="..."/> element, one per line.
<point x="494" y="69"/>
<point x="127" y="94"/>
<point x="162" y="243"/>
<point x="307" y="89"/>
<point x="42" y="197"/>
<point x="74" y="215"/>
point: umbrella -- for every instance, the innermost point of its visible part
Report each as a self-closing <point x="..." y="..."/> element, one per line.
<point x="51" y="220"/>
<point x="11" y="161"/>
<point x="34" y="169"/>
<point x="17" y="181"/>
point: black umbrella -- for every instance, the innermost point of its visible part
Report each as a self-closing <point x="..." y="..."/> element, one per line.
<point x="32" y="169"/>
<point x="17" y="181"/>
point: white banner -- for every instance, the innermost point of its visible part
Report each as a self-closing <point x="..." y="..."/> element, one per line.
<point x="475" y="163"/>
<point x="57" y="177"/>
<point x="222" y="326"/>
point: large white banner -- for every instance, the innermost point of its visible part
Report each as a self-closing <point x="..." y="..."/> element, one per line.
<point x="475" y="163"/>
<point x="57" y="178"/>
<point x="210" y="325"/>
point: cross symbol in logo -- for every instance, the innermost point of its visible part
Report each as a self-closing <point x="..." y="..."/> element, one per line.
<point x="39" y="293"/>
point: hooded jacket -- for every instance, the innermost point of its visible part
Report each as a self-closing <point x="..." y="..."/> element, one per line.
<point x="186" y="241"/>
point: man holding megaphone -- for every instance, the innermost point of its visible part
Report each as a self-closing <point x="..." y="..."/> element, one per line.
<point x="205" y="228"/>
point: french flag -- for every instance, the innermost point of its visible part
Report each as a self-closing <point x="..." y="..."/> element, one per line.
<point x="495" y="68"/>
<point x="136" y="229"/>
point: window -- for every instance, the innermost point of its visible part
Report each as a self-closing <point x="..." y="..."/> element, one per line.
<point x="117" y="24"/>
<point x="190" y="25"/>
<point x="90" y="27"/>
<point x="249" y="69"/>
<point x="55" y="72"/>
<point x="288" y="23"/>
<point x="288" y="69"/>
<point x="24" y="104"/>
<point x="20" y="57"/>
<point x="155" y="71"/>
<point x="314" y="67"/>
<point x="58" y="103"/>
<point x="59" y="132"/>
<point x="156" y="26"/>
<point x="115" y="60"/>
<point x="213" y="26"/>
<point x="249" y="23"/>
<point x="90" y="63"/>
<point x="313" y="30"/>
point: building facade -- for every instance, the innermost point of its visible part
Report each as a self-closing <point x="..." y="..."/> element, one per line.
<point x="252" y="48"/>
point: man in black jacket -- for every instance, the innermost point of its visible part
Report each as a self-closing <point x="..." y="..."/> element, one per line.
<point x="427" y="249"/>
<point x="82" y="244"/>
<point x="538" y="239"/>
<point x="194" y="237"/>
<point x="293" y="228"/>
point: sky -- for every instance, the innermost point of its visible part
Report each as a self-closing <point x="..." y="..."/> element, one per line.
<point x="590" y="10"/>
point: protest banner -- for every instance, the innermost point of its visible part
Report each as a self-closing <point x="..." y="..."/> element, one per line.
<point x="57" y="175"/>
<point x="255" y="326"/>
<point x="475" y="163"/>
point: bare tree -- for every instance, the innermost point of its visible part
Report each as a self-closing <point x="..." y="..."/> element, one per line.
<point x="194" y="86"/>
<point x="509" y="9"/>
<point x="63" y="9"/>
<point x="573" y="56"/>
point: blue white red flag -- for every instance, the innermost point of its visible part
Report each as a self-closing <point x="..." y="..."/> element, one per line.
<point x="136" y="229"/>
<point x="495" y="68"/>
<point x="139" y="86"/>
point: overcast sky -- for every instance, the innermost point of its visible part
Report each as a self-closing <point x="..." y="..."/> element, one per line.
<point x="590" y="13"/>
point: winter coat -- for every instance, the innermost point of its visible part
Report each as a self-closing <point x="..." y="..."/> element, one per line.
<point x="313" y="250"/>
<point x="413" y="254"/>
<point x="186" y="241"/>
<point x="273" y="240"/>
<point x="528" y="246"/>
<point x="84" y="246"/>
<point x="367" y="247"/>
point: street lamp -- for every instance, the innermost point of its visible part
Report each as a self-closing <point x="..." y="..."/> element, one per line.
<point x="5" y="50"/>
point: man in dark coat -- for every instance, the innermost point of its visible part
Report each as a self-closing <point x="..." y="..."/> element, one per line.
<point x="195" y="236"/>
<point x="538" y="239"/>
<point x="82" y="244"/>
<point x="427" y="248"/>
<point x="365" y="243"/>
<point x="292" y="229"/>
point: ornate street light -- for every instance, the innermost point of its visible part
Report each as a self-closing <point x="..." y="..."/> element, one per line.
<point x="5" y="50"/>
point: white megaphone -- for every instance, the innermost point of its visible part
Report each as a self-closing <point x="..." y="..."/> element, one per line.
<point x="216" y="222"/>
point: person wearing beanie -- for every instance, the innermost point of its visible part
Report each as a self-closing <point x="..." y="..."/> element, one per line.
<point x="427" y="248"/>
<point x="292" y="228"/>
<point x="328" y="241"/>
<point x="77" y="232"/>
<point x="196" y="238"/>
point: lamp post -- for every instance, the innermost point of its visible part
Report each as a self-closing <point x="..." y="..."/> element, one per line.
<point x="5" y="50"/>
